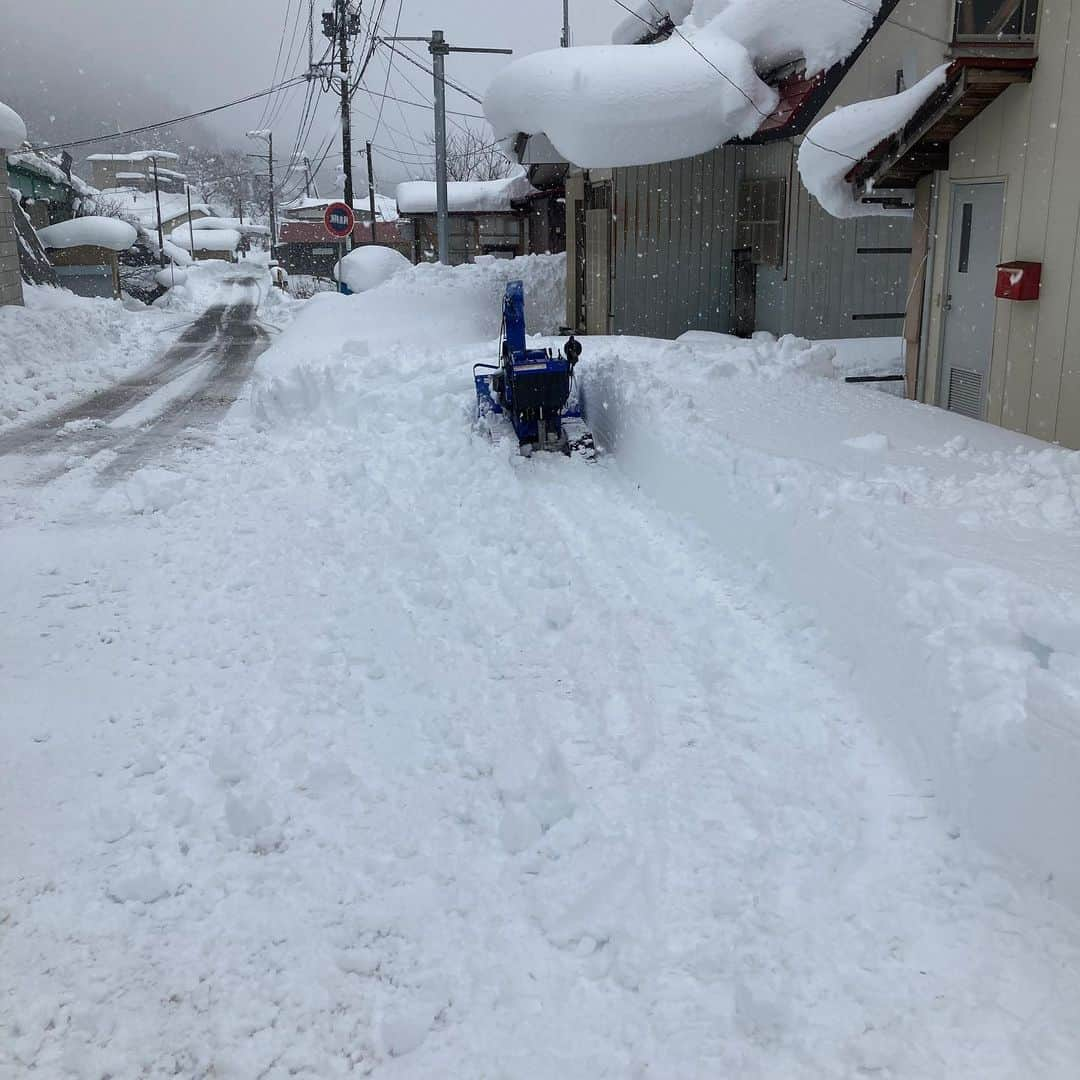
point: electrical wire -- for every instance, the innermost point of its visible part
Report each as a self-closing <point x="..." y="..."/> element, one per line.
<point x="277" y="62"/>
<point x="167" y="123"/>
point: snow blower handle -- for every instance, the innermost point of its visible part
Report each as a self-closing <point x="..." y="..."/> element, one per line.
<point x="572" y="350"/>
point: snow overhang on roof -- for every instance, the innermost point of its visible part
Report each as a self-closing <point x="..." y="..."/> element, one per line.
<point x="103" y="232"/>
<point x="752" y="70"/>
<point x="12" y="128"/>
<point x="137" y="155"/>
<point x="466" y="196"/>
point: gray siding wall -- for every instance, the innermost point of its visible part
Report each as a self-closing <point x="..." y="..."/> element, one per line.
<point x="674" y="233"/>
<point x="10" y="278"/>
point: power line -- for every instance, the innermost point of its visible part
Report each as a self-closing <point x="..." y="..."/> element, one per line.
<point x="405" y="54"/>
<point x="168" y="123"/>
<point x="277" y="62"/>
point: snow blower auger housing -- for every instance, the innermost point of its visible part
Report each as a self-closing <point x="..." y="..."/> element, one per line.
<point x="533" y="388"/>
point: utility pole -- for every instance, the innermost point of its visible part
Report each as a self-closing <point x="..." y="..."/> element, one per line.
<point x="273" y="213"/>
<point x="160" y="234"/>
<point x="341" y="25"/>
<point x="565" y="42"/>
<point x="371" y="190"/>
<point x="267" y="135"/>
<point x="190" y="223"/>
<point x="439" y="50"/>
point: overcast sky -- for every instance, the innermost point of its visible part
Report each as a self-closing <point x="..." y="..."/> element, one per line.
<point x="202" y="52"/>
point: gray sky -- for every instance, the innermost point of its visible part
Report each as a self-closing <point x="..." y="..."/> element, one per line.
<point x="146" y="54"/>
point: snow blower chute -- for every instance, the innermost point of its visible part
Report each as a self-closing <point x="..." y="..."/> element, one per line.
<point x="533" y="388"/>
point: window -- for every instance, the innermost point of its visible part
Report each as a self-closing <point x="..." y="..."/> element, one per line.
<point x="996" y="20"/>
<point x="761" y="224"/>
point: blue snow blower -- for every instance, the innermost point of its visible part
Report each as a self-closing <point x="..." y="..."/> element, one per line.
<point x="532" y="387"/>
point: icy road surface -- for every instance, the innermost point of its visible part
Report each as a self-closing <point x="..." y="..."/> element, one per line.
<point x="124" y="427"/>
<point x="353" y="745"/>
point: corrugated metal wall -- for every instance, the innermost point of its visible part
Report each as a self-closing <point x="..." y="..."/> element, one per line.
<point x="674" y="233"/>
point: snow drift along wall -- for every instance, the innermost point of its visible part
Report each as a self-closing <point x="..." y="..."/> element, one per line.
<point x="966" y="660"/>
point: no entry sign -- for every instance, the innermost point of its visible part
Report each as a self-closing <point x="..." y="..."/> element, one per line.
<point x="339" y="220"/>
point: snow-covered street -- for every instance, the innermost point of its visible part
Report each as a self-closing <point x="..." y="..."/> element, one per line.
<point x="346" y="741"/>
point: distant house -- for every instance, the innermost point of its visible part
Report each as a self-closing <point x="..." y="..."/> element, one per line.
<point x="136" y="170"/>
<point x="487" y="217"/>
<point x="304" y="247"/>
<point x="85" y="250"/>
<point x="49" y="192"/>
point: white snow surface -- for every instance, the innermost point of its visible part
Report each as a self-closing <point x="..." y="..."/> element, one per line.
<point x="215" y="238"/>
<point x="12" y="128"/>
<point x="370" y="265"/>
<point x="106" y="232"/>
<point x="622" y="104"/>
<point x="847" y="134"/>
<point x="420" y="196"/>
<point x="353" y="743"/>
<point x="61" y="347"/>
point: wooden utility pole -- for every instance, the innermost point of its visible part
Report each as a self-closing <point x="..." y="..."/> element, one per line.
<point x="565" y="40"/>
<point x="371" y="190"/>
<point x="343" y="16"/>
<point x="273" y="212"/>
<point x="160" y="234"/>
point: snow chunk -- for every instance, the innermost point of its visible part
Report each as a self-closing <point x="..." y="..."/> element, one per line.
<point x="406" y="1028"/>
<point x="369" y="266"/>
<point x="103" y="232"/>
<point x="12" y="128"/>
<point x="875" y="442"/>
<point x="849" y="134"/>
<point x="143" y="888"/>
<point x="170" y="276"/>
<point x="419" y="196"/>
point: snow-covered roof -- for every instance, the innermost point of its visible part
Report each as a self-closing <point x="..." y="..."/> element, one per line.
<point x="385" y="206"/>
<point x="106" y="232"/>
<point x="140" y="207"/>
<point x="47" y="168"/>
<point x="222" y="224"/>
<point x="463" y="196"/>
<point x="206" y="239"/>
<point x="130" y="176"/>
<point x="12" y="128"/>
<point x="847" y="134"/>
<point x="622" y="104"/>
<point x="137" y="155"/>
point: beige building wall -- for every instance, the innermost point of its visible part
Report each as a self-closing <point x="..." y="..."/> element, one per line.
<point x="10" y="275"/>
<point x="1029" y="138"/>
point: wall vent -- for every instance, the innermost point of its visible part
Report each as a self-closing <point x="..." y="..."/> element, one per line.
<point x="965" y="393"/>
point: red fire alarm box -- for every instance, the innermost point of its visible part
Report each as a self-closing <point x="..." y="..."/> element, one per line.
<point x="1018" y="281"/>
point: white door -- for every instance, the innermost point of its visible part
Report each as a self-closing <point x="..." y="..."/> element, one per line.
<point x="974" y="248"/>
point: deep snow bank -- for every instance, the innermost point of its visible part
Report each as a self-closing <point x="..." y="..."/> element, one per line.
<point x="940" y="556"/>
<point x="61" y="347"/>
<point x="412" y="316"/>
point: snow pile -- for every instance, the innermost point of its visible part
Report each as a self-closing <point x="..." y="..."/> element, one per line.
<point x="12" y="128"/>
<point x="61" y="347"/>
<point x="938" y="556"/>
<point x="370" y="265"/>
<point x="631" y="105"/>
<point x="848" y="134"/>
<point x="105" y="232"/>
<point x="214" y="238"/>
<point x="420" y="197"/>
<point x="430" y="307"/>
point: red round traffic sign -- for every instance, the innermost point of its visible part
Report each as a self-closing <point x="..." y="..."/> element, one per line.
<point x="339" y="220"/>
